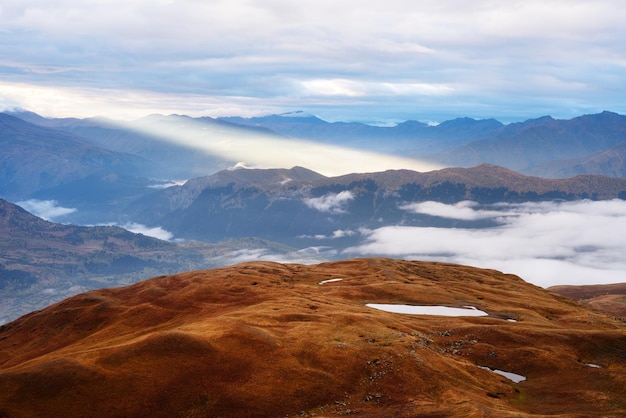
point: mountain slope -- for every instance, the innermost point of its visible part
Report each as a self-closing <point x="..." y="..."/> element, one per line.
<point x="269" y="340"/>
<point x="611" y="162"/>
<point x="523" y="146"/>
<point x="411" y="136"/>
<point x="36" y="158"/>
<point x="607" y="298"/>
<point x="42" y="262"/>
<point x="142" y="139"/>
<point x="235" y="204"/>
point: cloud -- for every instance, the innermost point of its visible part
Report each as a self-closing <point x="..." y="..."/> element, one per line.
<point x="341" y="60"/>
<point x="342" y="233"/>
<point x="464" y="210"/>
<point x="339" y="233"/>
<point x="334" y="203"/>
<point x="167" y="184"/>
<point x="155" y="232"/>
<point x="309" y="255"/>
<point x="45" y="209"/>
<point x="546" y="243"/>
<point x="352" y="88"/>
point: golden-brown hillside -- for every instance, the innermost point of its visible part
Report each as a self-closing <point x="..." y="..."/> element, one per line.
<point x="268" y="340"/>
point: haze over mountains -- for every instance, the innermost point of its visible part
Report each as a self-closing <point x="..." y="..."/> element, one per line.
<point x="132" y="174"/>
<point x="96" y="164"/>
<point x="543" y="146"/>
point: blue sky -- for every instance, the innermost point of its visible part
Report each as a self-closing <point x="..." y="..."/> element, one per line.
<point x="370" y="61"/>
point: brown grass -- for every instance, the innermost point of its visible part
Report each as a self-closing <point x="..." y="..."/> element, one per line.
<point x="265" y="340"/>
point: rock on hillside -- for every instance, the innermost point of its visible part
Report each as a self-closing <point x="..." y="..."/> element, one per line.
<point x="273" y="340"/>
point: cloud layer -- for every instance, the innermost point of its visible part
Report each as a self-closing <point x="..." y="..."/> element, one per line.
<point x="348" y="60"/>
<point x="155" y="232"/>
<point x="546" y="243"/>
<point x="334" y="203"/>
<point x="45" y="209"/>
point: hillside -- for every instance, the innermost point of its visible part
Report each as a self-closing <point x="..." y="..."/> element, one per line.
<point x="43" y="262"/>
<point x="611" y="162"/>
<point x="261" y="203"/>
<point x="267" y="340"/>
<point x="528" y="146"/>
<point x="607" y="298"/>
<point x="36" y="158"/>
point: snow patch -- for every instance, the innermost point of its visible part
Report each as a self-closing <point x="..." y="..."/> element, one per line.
<point x="330" y="281"/>
<point x="511" y="376"/>
<point x="597" y="366"/>
<point x="428" y="310"/>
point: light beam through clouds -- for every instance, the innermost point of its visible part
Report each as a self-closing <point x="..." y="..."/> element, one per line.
<point x="271" y="151"/>
<point x="545" y="243"/>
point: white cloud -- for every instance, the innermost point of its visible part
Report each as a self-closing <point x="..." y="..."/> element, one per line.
<point x="545" y="243"/>
<point x="339" y="233"/>
<point x="155" y="232"/>
<point x="462" y="210"/>
<point x="353" y="88"/>
<point x="45" y="209"/>
<point x="334" y="203"/>
<point x="343" y="60"/>
<point x="167" y="184"/>
<point x="309" y="255"/>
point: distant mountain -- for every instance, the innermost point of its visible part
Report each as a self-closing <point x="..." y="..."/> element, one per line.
<point x="283" y="340"/>
<point x="543" y="146"/>
<point x="97" y="166"/>
<point x="412" y="136"/>
<point x="35" y="159"/>
<point x="42" y="262"/>
<point x="257" y="202"/>
<point x="153" y="207"/>
<point x="134" y="138"/>
<point x="611" y="162"/>
<point x="530" y="145"/>
<point x="535" y="147"/>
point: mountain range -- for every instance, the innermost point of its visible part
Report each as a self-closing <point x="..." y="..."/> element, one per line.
<point x="544" y="146"/>
<point x="296" y="206"/>
<point x="288" y="213"/>
<point x="283" y="340"/>
<point x="100" y="166"/>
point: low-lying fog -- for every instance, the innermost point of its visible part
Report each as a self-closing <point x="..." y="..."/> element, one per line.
<point x="545" y="243"/>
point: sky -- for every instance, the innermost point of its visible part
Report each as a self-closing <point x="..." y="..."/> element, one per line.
<point x="371" y="61"/>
